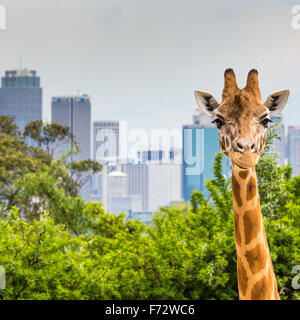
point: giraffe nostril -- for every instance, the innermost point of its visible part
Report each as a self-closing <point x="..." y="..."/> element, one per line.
<point x="252" y="147"/>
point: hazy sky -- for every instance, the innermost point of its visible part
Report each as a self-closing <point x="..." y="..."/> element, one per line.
<point x="141" y="60"/>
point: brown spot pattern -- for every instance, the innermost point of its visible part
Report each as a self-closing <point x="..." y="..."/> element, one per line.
<point x="243" y="174"/>
<point x="251" y="189"/>
<point x="227" y="142"/>
<point x="236" y="189"/>
<point x="242" y="277"/>
<point x="261" y="290"/>
<point x="252" y="224"/>
<point x="237" y="228"/>
<point x="256" y="258"/>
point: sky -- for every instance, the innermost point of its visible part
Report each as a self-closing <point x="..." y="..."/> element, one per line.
<point x="141" y="60"/>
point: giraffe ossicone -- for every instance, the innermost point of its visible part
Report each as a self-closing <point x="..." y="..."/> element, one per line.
<point x="242" y="120"/>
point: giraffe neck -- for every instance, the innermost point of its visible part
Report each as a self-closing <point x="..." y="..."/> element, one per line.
<point x="256" y="278"/>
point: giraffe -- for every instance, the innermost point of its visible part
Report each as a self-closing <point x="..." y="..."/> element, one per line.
<point x="242" y="121"/>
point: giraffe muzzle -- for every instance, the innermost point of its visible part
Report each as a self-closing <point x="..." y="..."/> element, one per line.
<point x="247" y="159"/>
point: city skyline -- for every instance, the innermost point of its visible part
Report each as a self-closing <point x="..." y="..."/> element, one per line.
<point x="148" y="81"/>
<point x="148" y="183"/>
<point x="137" y="64"/>
<point x="108" y="135"/>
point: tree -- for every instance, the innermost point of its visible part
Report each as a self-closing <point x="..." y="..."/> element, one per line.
<point x="24" y="168"/>
<point x="50" y="135"/>
<point x="273" y="179"/>
<point x="41" y="259"/>
<point x="16" y="159"/>
<point x="83" y="170"/>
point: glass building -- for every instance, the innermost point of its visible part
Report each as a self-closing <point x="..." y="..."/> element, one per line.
<point x="200" y="145"/>
<point x="106" y="140"/>
<point x="74" y="112"/>
<point x="21" y="97"/>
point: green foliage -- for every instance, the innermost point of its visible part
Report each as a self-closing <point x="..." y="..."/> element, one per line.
<point x="54" y="245"/>
<point x="31" y="180"/>
<point x="273" y="180"/>
<point x="82" y="170"/>
<point x="47" y="134"/>
<point x="41" y="259"/>
<point x="16" y="160"/>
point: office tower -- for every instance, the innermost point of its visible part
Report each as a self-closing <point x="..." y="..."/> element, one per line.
<point x="164" y="185"/>
<point x="117" y="184"/>
<point x="74" y="112"/>
<point x="279" y="144"/>
<point x="294" y="148"/>
<point x="117" y="187"/>
<point x="138" y="181"/>
<point x="200" y="145"/>
<point x="149" y="186"/>
<point x="118" y="198"/>
<point x="21" y="97"/>
<point x="158" y="184"/>
<point x="106" y="140"/>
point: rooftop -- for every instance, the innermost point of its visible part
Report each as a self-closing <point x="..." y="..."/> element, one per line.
<point x="117" y="174"/>
<point x="20" y="73"/>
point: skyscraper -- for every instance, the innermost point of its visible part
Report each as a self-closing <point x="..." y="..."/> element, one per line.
<point x="21" y="96"/>
<point x="74" y="112"/>
<point x="158" y="184"/>
<point x="294" y="148"/>
<point x="106" y="139"/>
<point x="118" y="198"/>
<point x="200" y="145"/>
<point x="148" y="185"/>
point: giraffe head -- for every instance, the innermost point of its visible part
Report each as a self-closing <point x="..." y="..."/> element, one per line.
<point x="242" y="119"/>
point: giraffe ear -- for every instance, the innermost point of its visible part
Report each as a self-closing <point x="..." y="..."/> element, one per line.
<point x="206" y="102"/>
<point x="277" y="101"/>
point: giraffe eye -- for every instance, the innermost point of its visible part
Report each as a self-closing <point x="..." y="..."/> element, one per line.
<point x="219" y="123"/>
<point x="265" y="122"/>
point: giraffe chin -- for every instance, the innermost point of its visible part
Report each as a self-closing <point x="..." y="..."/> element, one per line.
<point x="245" y="160"/>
